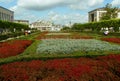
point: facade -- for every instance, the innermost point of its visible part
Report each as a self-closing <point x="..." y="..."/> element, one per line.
<point x="26" y="22"/>
<point x="44" y="26"/>
<point x="6" y="15"/>
<point x="95" y="15"/>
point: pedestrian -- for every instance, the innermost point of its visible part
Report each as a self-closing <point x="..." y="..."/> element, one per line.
<point x="106" y="32"/>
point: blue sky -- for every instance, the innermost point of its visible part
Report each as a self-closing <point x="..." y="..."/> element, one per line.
<point x="57" y="11"/>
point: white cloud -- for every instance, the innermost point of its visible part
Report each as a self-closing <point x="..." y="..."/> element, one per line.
<point x="47" y="4"/>
<point x="86" y="4"/>
<point x="116" y="3"/>
<point x="21" y="13"/>
<point x="66" y="18"/>
<point x="24" y="8"/>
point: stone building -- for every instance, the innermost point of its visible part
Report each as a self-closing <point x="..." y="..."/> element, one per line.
<point x="6" y="14"/>
<point x="43" y="25"/>
<point x="95" y="15"/>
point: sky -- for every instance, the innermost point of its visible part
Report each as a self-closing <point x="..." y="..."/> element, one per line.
<point x="57" y="11"/>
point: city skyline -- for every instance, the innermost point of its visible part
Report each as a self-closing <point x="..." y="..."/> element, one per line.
<point x="58" y="11"/>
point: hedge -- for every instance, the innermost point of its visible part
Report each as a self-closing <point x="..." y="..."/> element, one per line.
<point x="96" y="26"/>
<point x="11" y="26"/>
<point x="10" y="35"/>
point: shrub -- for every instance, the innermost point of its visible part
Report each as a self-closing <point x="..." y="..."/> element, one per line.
<point x="96" y="26"/>
<point x="4" y="37"/>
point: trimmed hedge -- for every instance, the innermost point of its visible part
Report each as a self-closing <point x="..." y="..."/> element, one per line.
<point x="11" y="26"/>
<point x="96" y="26"/>
<point x="6" y="36"/>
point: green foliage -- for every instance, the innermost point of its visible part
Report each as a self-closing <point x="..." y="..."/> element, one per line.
<point x="65" y="28"/>
<point x="77" y="26"/>
<point x="111" y="13"/>
<point x="11" y="26"/>
<point x="3" y="37"/>
<point x="32" y="48"/>
<point x="96" y="26"/>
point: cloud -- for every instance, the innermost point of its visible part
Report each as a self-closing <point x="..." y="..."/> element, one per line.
<point x="29" y="9"/>
<point x="47" y="4"/>
<point x="116" y="3"/>
<point x="66" y="18"/>
<point x="23" y="14"/>
<point x="40" y="4"/>
<point x="86" y="4"/>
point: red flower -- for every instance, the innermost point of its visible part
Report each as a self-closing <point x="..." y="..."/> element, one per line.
<point x="13" y="48"/>
<point x="82" y="69"/>
<point x="114" y="40"/>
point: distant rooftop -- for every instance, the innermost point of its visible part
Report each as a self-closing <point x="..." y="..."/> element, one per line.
<point x="103" y="8"/>
<point x="98" y="9"/>
<point x="6" y="9"/>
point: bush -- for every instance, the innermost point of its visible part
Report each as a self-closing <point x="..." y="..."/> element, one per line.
<point x="96" y="26"/>
<point x="3" y="37"/>
<point x="11" y="26"/>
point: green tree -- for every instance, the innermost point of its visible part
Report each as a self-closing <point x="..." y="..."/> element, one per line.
<point x="112" y="12"/>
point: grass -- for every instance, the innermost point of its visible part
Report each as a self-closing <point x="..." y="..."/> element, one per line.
<point x="30" y="52"/>
<point x="32" y="48"/>
<point x="31" y="36"/>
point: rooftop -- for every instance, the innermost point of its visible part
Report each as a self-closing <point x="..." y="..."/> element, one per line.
<point x="97" y="9"/>
<point x="6" y="9"/>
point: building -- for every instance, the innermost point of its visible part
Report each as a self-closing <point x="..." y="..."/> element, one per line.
<point x="6" y="15"/>
<point x="44" y="26"/>
<point x="26" y="22"/>
<point x="95" y="15"/>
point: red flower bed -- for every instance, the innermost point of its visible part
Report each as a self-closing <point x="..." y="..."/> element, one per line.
<point x="114" y="40"/>
<point x="81" y="37"/>
<point x="105" y="68"/>
<point x="13" y="48"/>
<point x="67" y="36"/>
<point x="44" y="36"/>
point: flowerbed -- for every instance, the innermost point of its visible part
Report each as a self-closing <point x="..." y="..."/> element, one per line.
<point x="67" y="46"/>
<point x="42" y="35"/>
<point x="105" y="68"/>
<point x="46" y="35"/>
<point x="13" y="48"/>
<point x="66" y="37"/>
<point x="114" y="40"/>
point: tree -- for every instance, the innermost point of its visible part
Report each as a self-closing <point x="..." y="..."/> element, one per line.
<point x="112" y="12"/>
<point x="65" y="28"/>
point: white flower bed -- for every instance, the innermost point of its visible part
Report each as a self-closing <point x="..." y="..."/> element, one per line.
<point x="67" y="46"/>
